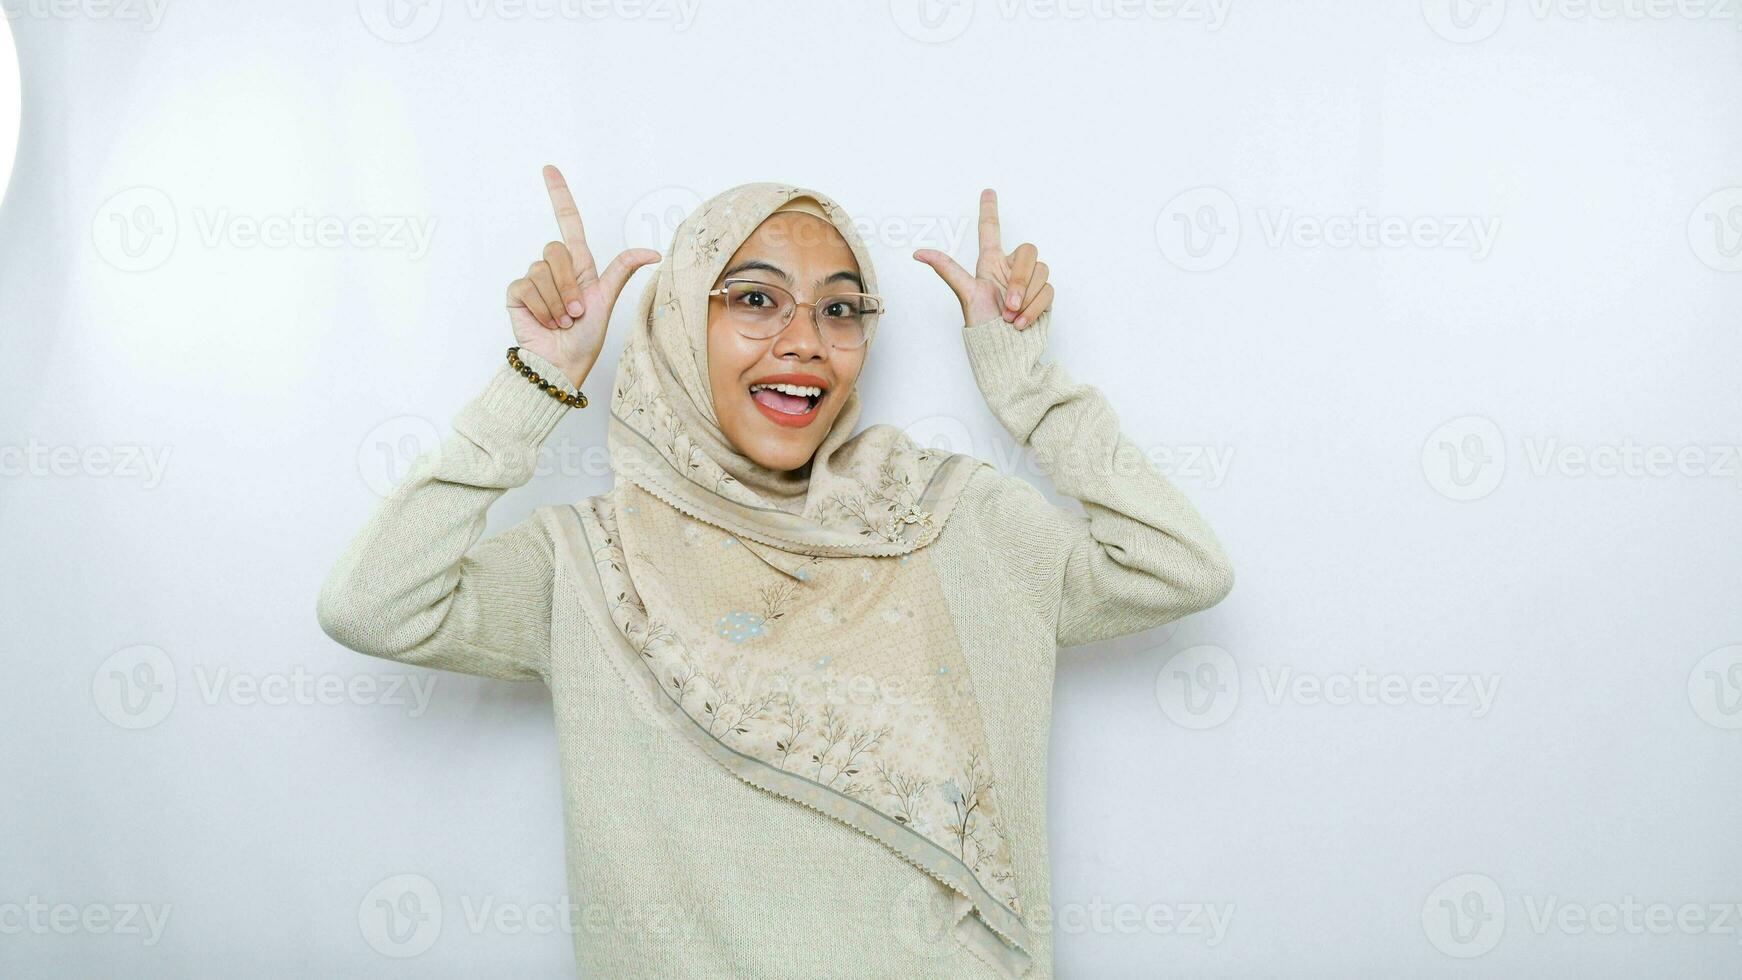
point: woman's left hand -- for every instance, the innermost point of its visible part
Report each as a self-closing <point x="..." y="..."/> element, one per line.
<point x="1011" y="284"/>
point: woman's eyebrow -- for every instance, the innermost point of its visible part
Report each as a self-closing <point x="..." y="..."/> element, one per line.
<point x="845" y="275"/>
<point x="750" y="264"/>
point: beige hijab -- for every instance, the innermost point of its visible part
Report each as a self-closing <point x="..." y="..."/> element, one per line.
<point x="790" y="625"/>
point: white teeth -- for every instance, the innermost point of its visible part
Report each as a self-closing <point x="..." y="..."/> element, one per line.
<point x="810" y="390"/>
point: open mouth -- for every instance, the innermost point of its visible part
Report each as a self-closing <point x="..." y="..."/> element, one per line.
<point x="789" y="403"/>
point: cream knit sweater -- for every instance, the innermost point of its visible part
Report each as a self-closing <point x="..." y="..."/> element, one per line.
<point x="685" y="871"/>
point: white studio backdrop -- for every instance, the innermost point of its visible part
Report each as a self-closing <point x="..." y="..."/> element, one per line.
<point x="1432" y="309"/>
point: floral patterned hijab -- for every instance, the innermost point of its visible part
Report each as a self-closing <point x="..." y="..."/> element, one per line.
<point x="790" y="625"/>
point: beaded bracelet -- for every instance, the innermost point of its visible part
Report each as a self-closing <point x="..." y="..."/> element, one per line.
<point x="576" y="400"/>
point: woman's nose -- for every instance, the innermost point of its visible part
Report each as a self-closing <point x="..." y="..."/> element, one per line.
<point x="801" y="337"/>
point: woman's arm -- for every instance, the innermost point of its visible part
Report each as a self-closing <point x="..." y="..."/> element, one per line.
<point x="411" y="587"/>
<point x="1142" y="556"/>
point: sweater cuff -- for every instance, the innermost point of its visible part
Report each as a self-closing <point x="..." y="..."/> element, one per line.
<point x="1000" y="354"/>
<point x="519" y="408"/>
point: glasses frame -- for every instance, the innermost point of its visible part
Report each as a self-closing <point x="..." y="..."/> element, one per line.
<point x="726" y="285"/>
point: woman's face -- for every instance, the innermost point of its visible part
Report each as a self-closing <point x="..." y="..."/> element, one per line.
<point x="807" y="256"/>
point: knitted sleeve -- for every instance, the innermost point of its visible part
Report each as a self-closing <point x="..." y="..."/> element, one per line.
<point x="412" y="587"/>
<point x="1139" y="555"/>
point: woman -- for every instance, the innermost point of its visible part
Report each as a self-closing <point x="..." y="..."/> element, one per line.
<point x="802" y="676"/>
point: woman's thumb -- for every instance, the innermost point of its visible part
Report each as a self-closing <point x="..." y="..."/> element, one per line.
<point x="957" y="278"/>
<point x="616" y="275"/>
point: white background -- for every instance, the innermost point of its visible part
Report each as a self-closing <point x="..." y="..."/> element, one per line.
<point x="1417" y="436"/>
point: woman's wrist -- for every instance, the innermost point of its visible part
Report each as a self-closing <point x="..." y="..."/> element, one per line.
<point x="569" y="382"/>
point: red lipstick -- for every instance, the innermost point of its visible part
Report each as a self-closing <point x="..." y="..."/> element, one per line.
<point x="795" y="420"/>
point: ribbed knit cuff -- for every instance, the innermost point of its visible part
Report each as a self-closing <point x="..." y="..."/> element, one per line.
<point x="516" y="407"/>
<point x="1000" y="354"/>
<point x="1017" y="386"/>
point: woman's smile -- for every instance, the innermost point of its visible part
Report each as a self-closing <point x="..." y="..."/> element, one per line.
<point x="789" y="399"/>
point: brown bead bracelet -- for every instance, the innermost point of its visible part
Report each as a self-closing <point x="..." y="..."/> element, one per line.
<point x="576" y="400"/>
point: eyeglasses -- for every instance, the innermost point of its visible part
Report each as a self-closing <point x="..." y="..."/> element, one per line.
<point x="760" y="310"/>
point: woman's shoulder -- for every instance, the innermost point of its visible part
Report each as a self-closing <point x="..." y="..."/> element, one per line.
<point x="1006" y="513"/>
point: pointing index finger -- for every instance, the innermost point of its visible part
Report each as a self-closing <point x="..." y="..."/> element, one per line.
<point x="989" y="222"/>
<point x="568" y="218"/>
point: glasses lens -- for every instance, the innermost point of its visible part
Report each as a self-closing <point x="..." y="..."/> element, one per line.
<point x="847" y="319"/>
<point x="758" y="309"/>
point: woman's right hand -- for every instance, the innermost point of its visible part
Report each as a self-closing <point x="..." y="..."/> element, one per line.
<point x="560" y="309"/>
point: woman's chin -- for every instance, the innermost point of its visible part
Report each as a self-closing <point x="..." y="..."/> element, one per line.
<point x="781" y="456"/>
<point x="773" y="447"/>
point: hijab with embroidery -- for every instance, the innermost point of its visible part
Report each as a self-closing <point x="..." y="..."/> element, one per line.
<point x="790" y="624"/>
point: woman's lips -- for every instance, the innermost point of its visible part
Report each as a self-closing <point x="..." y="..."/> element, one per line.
<point x="788" y="419"/>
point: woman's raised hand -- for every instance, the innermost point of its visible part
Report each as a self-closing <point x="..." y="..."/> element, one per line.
<point x="561" y="308"/>
<point x="1013" y="285"/>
